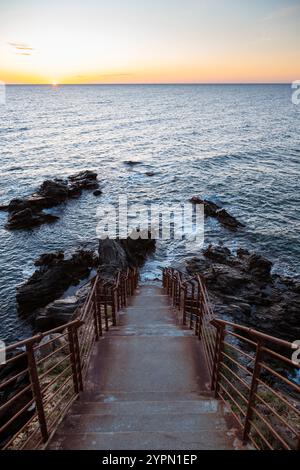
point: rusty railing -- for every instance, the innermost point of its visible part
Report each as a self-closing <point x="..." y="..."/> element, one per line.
<point x="44" y="374"/>
<point x="251" y="372"/>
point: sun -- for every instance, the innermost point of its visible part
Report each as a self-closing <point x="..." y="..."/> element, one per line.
<point x="54" y="84"/>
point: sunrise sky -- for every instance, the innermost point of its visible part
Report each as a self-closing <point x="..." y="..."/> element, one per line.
<point x="149" y="41"/>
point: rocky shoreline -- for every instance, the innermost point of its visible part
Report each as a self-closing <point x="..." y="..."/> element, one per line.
<point x="41" y="299"/>
<point x="242" y="288"/>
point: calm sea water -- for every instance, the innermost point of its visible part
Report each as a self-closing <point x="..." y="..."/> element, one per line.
<point x="236" y="145"/>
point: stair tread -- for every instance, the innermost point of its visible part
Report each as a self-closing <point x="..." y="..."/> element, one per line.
<point x="142" y="407"/>
<point x="182" y="440"/>
<point x="163" y="422"/>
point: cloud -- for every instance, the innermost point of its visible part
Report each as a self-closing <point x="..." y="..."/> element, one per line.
<point x="20" y="48"/>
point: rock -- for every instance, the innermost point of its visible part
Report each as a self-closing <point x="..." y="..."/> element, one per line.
<point x="259" y="266"/>
<point x="27" y="218"/>
<point x="98" y="192"/>
<point x="54" y="191"/>
<point x="112" y="257"/>
<point x="131" y="162"/>
<point x="242" y="288"/>
<point x="123" y="253"/>
<point x="51" y="343"/>
<point x="50" y="281"/>
<point x="219" y="254"/>
<point x="213" y="210"/>
<point x="28" y="212"/>
<point x="138" y="249"/>
<point x="149" y="173"/>
<point x="228" y="220"/>
<point x="84" y="175"/>
<point x="61" y="311"/>
<point x="49" y="258"/>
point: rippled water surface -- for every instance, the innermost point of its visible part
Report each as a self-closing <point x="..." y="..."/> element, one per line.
<point x="237" y="145"/>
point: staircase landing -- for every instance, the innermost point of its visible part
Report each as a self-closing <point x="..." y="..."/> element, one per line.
<point x="147" y="387"/>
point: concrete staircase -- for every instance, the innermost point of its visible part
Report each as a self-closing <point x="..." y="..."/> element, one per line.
<point x="147" y="387"/>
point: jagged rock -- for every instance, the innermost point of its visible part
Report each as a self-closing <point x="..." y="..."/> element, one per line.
<point x="51" y="343"/>
<point x="212" y="209"/>
<point x="26" y="218"/>
<point x="49" y="258"/>
<point x="259" y="266"/>
<point x="123" y="253"/>
<point x="28" y="212"/>
<point x="138" y="247"/>
<point x="50" y="281"/>
<point x="98" y="192"/>
<point x="61" y="311"/>
<point x="243" y="288"/>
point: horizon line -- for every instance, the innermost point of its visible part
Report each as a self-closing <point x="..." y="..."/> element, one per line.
<point x="150" y="83"/>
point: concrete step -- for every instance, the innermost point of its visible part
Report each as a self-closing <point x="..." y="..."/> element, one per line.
<point x="146" y="422"/>
<point x="146" y="407"/>
<point x="144" y="396"/>
<point x="195" y="440"/>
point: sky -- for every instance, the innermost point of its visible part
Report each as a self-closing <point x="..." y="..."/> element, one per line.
<point x="149" y="41"/>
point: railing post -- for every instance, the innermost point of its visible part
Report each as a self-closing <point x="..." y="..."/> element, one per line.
<point x="217" y="359"/>
<point x="78" y="357"/>
<point x="73" y="358"/>
<point x="95" y="315"/>
<point x="184" y="306"/>
<point x="104" y="290"/>
<point x="36" y="390"/>
<point x="201" y="314"/>
<point x="253" y="390"/>
<point x="98" y="307"/>
<point x="113" y="307"/>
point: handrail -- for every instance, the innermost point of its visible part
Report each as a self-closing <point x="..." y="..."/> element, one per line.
<point x="248" y="368"/>
<point x="41" y="379"/>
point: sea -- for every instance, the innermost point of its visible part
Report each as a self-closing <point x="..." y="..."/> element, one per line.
<point x="236" y="145"/>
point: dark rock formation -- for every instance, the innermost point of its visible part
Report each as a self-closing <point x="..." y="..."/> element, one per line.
<point x="123" y="253"/>
<point x="243" y="289"/>
<point x="97" y="192"/>
<point x="28" y="218"/>
<point x="28" y="212"/>
<point x="213" y="210"/>
<point x="53" y="277"/>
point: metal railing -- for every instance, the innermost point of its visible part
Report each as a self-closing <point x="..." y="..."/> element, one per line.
<point x="43" y="375"/>
<point x="251" y="372"/>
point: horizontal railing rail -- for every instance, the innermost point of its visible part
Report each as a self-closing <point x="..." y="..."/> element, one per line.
<point x="251" y="372"/>
<point x="44" y="375"/>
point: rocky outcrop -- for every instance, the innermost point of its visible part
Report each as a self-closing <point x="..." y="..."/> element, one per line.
<point x="40" y="298"/>
<point x="243" y="288"/>
<point x="54" y="276"/>
<point x="211" y="209"/>
<point x="29" y="212"/>
<point x="123" y="253"/>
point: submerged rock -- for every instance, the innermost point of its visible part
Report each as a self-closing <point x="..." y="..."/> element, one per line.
<point x="211" y="209"/>
<point x="243" y="288"/>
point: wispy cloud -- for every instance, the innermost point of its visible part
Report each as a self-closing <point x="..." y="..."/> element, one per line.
<point x="20" y="48"/>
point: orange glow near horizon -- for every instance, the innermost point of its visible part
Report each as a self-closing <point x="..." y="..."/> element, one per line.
<point x="197" y="41"/>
